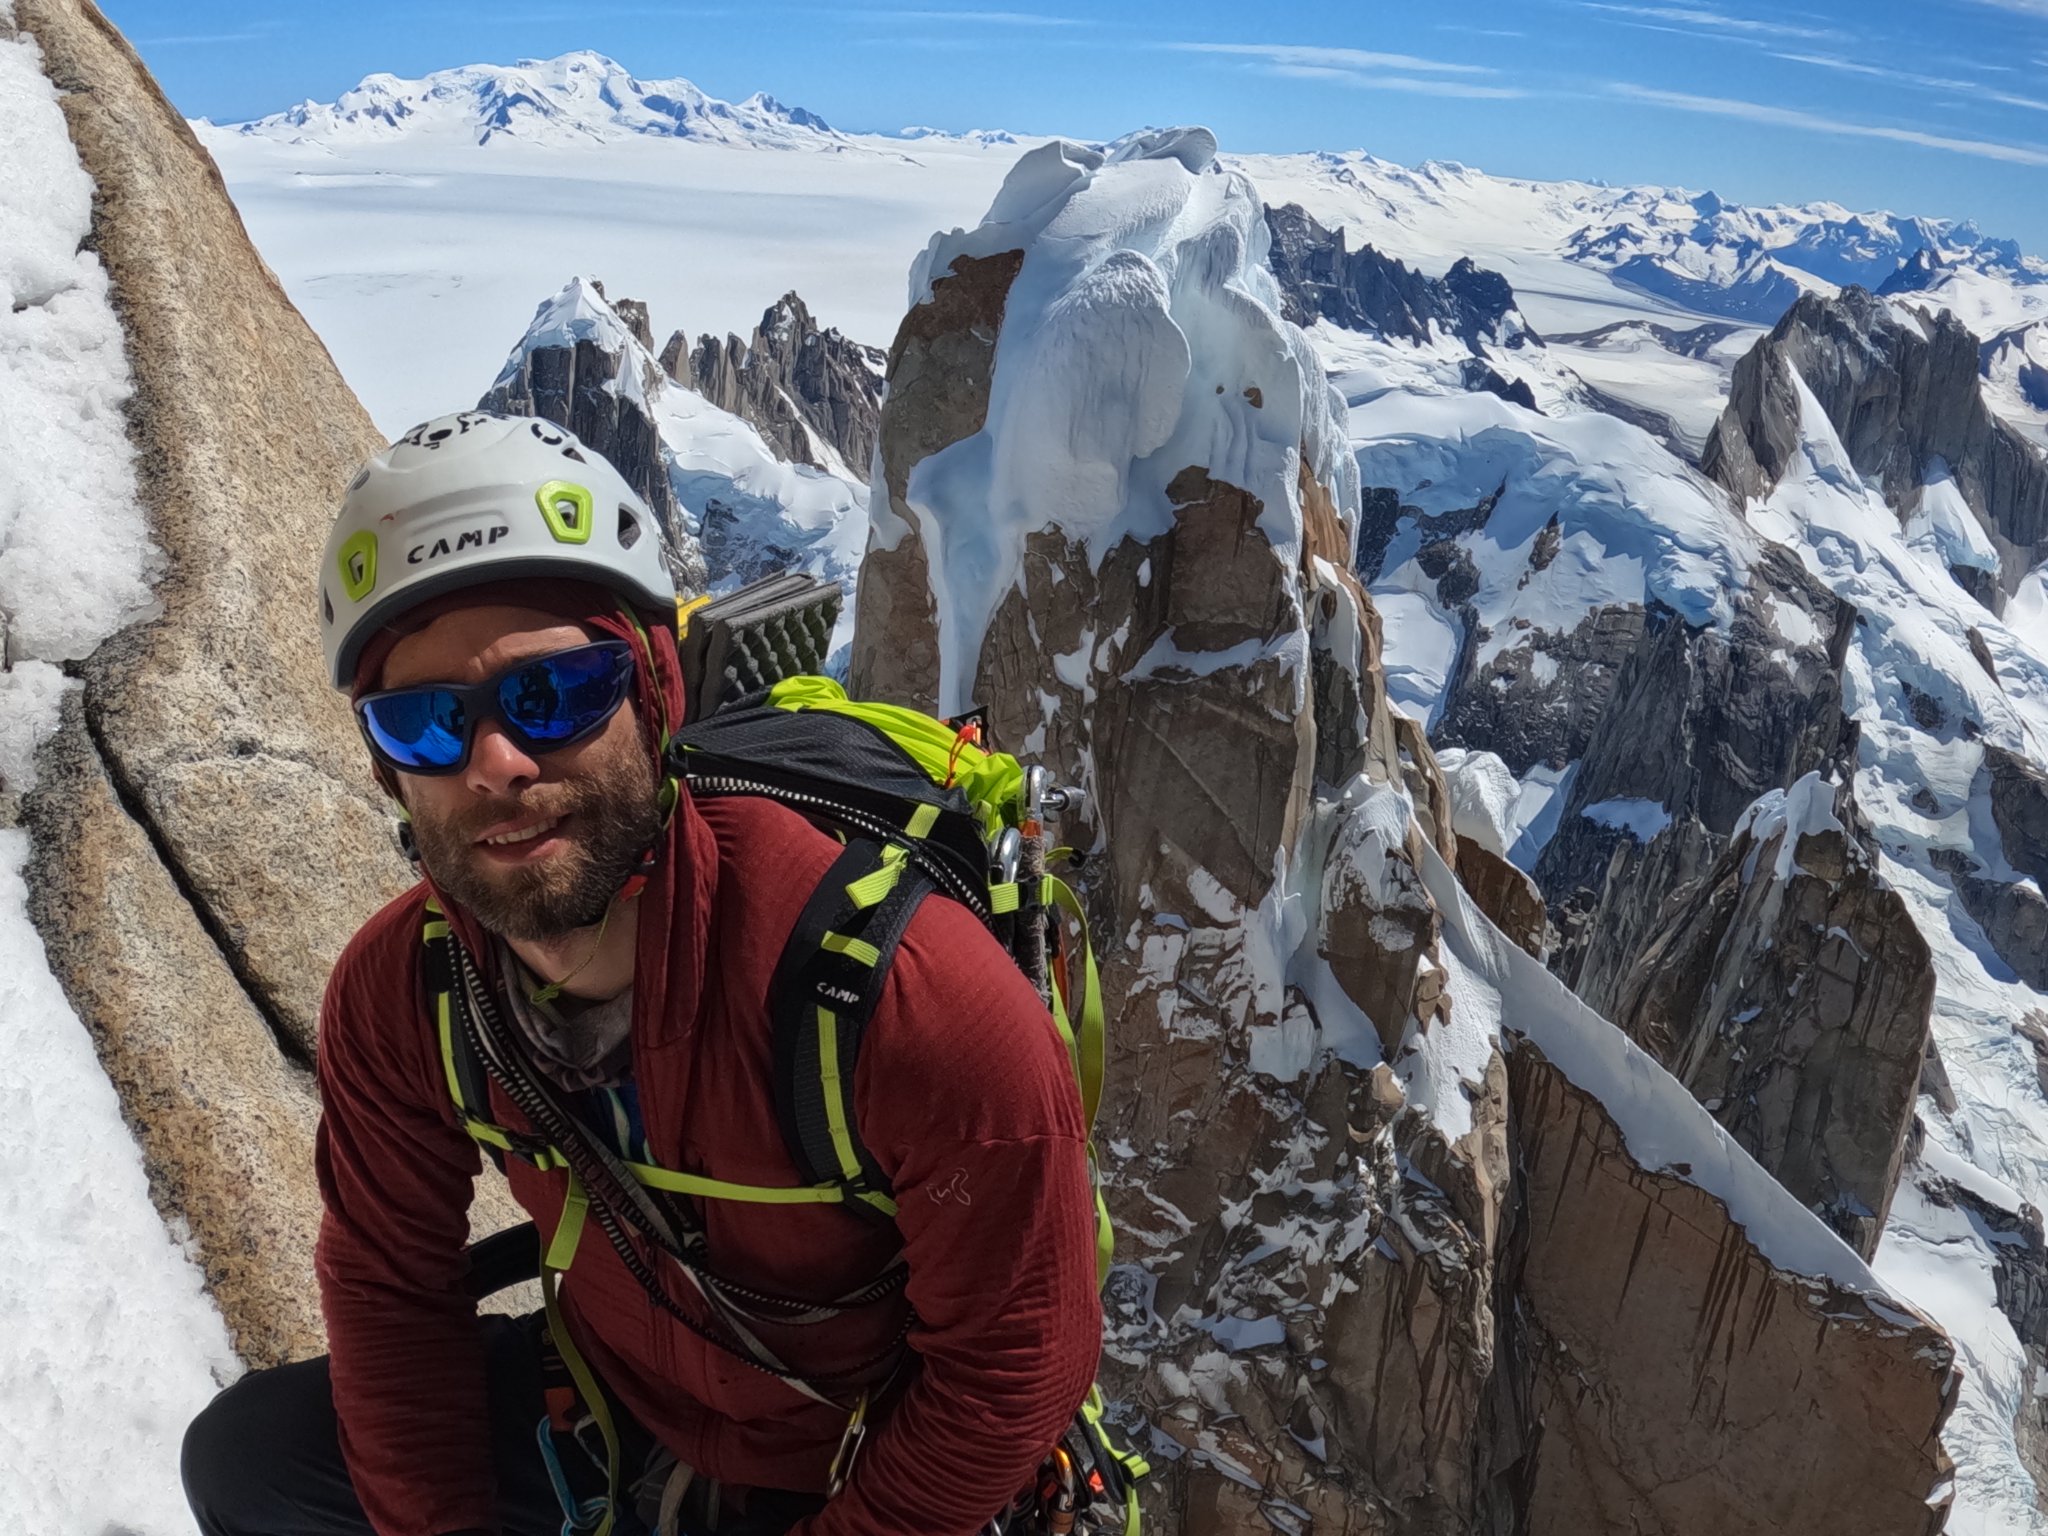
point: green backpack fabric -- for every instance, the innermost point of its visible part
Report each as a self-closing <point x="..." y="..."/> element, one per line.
<point x="920" y="804"/>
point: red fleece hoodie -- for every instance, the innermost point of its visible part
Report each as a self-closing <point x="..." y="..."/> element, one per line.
<point x="963" y="1094"/>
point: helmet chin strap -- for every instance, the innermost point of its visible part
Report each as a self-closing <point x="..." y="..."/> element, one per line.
<point x="670" y="792"/>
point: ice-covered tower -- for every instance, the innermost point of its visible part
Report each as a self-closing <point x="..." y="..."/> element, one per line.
<point x="1411" y="1240"/>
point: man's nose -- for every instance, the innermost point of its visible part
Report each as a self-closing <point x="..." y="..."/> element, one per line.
<point x="498" y="764"/>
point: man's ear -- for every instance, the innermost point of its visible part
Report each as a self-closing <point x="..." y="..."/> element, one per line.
<point x="390" y="783"/>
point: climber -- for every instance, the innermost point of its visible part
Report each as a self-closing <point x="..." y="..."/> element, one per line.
<point x="495" y="598"/>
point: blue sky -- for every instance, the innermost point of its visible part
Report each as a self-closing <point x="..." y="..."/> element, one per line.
<point x="1937" y="107"/>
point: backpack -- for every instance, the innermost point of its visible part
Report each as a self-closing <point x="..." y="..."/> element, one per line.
<point x="923" y="807"/>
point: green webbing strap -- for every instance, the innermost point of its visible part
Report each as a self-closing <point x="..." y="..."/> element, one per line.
<point x="719" y="1189"/>
<point x="1085" y="1049"/>
<point x="581" y="1374"/>
<point x="444" y="1024"/>
<point x="547" y="1159"/>
<point x="833" y="968"/>
<point x="1087" y="1045"/>
<point x="869" y="890"/>
<point x="1002" y="899"/>
<point x="569" y="1229"/>
<point x="468" y="1087"/>
<point x="922" y="820"/>
<point x="836" y="1094"/>
<point x="858" y="949"/>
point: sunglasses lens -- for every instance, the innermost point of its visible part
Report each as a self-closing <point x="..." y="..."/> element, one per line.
<point x="562" y="697"/>
<point x="419" y="728"/>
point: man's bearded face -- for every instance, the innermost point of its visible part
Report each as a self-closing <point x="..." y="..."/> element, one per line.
<point x="533" y="845"/>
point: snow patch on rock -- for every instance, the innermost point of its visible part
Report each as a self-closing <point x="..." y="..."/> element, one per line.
<point x="1484" y="793"/>
<point x="75" y="554"/>
<point x="111" y="1344"/>
<point x="1641" y="819"/>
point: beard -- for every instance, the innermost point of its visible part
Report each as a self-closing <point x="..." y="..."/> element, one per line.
<point x="614" y="811"/>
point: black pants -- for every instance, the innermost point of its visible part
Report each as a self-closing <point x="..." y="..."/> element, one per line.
<point x="264" y="1457"/>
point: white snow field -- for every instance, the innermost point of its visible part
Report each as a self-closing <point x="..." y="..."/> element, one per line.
<point x="110" y="1344"/>
<point x="418" y="253"/>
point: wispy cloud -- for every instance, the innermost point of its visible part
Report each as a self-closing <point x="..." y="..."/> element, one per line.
<point x="2021" y="7"/>
<point x="191" y="39"/>
<point x="1713" y="21"/>
<point x="1813" y="122"/>
<point x="1974" y="89"/>
<point x="986" y="18"/>
<point x="1343" y="60"/>
<point x="1358" y="81"/>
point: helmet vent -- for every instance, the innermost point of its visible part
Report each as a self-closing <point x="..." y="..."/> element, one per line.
<point x="571" y="452"/>
<point x="629" y="528"/>
<point x="326" y="606"/>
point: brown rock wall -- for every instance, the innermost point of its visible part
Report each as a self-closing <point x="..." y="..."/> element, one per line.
<point x="1677" y="1383"/>
<point x="1797" y="1011"/>
<point x="225" y="1119"/>
<point x="246" y="437"/>
<point x="1357" y="1225"/>
<point x="205" y="834"/>
<point x="940" y="370"/>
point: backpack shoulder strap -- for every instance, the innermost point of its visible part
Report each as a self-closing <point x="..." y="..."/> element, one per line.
<point x="467" y="1083"/>
<point x="824" y="992"/>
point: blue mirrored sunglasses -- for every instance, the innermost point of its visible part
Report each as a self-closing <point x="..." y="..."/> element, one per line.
<point x="544" y="705"/>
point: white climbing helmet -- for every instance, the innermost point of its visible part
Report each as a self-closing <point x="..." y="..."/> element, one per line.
<point x="478" y="497"/>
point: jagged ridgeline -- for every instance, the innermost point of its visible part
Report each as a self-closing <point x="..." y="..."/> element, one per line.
<point x="1568" y="913"/>
<point x="753" y="453"/>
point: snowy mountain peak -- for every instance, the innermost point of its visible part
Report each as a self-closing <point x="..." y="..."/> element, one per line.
<point x="1694" y="250"/>
<point x="579" y="97"/>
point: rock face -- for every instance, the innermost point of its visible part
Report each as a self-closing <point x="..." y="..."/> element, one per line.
<point x="1790" y="991"/>
<point x="1906" y="405"/>
<point x="2007" y="902"/>
<point x="575" y="368"/>
<point x="941" y="368"/>
<point x="809" y="391"/>
<point x="206" y="757"/>
<point x="2019" y="809"/>
<point x="1701" y="721"/>
<point x="1410" y="1240"/>
<point x="1797" y="1009"/>
<point x="1362" y="290"/>
<point x="1661" y="1403"/>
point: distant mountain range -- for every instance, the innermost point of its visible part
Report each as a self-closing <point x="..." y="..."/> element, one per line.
<point x="580" y="97"/>
<point x="1693" y="253"/>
